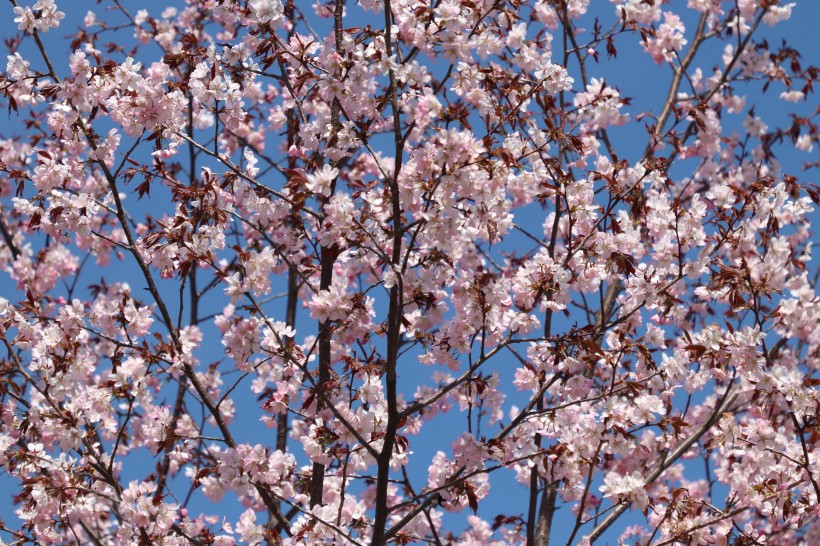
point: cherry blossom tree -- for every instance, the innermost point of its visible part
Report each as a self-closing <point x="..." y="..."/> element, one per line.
<point x="376" y="226"/>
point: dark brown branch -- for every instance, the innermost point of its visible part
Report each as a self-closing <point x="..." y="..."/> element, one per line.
<point x="327" y="260"/>
<point x="394" y="314"/>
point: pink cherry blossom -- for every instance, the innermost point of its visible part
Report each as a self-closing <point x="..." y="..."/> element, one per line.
<point x="407" y="272"/>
